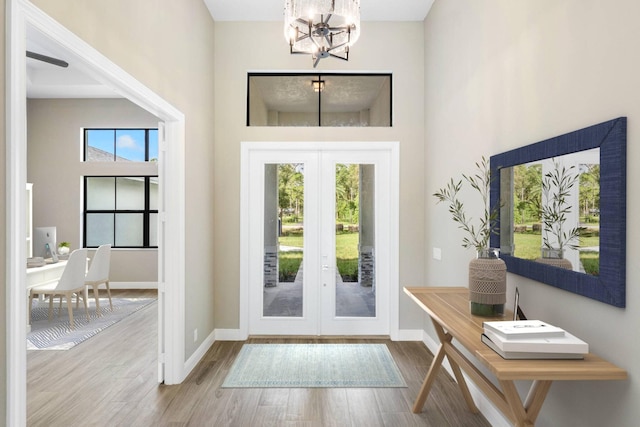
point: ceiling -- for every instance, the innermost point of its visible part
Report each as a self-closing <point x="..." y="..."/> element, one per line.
<point x="49" y="81"/>
<point x="272" y="10"/>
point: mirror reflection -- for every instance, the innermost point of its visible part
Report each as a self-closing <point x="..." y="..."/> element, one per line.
<point x="554" y="207"/>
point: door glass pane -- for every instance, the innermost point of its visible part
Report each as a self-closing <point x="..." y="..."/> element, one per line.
<point x="283" y="239"/>
<point x="355" y="241"/>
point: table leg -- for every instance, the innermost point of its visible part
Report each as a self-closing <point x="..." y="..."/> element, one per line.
<point x="428" y="380"/>
<point x="525" y="415"/>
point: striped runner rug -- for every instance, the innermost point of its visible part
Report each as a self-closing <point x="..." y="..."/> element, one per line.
<point x="57" y="333"/>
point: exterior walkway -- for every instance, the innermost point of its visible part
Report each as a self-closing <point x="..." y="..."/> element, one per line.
<point x="352" y="300"/>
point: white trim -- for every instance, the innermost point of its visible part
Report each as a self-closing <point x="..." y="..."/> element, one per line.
<point x="20" y="15"/>
<point x="484" y="405"/>
<point x="16" y="176"/>
<point x="230" y="335"/>
<point x="197" y="355"/>
<point x="409" y="335"/>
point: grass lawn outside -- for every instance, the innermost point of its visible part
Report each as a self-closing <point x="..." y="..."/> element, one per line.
<point x="528" y="246"/>
<point x="346" y="255"/>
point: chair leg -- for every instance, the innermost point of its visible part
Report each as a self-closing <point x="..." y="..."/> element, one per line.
<point x="30" y="303"/>
<point x="96" y="295"/>
<point x="109" y="293"/>
<point x="86" y="309"/>
<point x="69" y="297"/>
<point x="50" y="306"/>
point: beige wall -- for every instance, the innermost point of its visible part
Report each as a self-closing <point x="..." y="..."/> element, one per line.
<point x="237" y="51"/>
<point x="55" y="168"/>
<point x="167" y="46"/>
<point x="501" y="74"/>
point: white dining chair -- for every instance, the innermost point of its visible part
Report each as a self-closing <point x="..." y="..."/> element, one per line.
<point x="71" y="282"/>
<point x="98" y="274"/>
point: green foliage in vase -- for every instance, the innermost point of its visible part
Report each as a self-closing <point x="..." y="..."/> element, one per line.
<point x="477" y="235"/>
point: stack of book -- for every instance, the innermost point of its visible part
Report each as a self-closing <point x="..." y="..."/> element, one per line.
<point x="532" y="339"/>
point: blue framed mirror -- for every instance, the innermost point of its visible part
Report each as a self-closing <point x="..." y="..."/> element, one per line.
<point x="594" y="220"/>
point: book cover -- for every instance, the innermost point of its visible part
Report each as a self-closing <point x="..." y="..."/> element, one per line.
<point x="523" y="329"/>
<point x="528" y="355"/>
<point x="564" y="344"/>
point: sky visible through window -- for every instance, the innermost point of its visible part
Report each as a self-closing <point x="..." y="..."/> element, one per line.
<point x="126" y="144"/>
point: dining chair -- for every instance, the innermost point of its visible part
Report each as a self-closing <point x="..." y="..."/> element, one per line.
<point x="71" y="282"/>
<point x="98" y="274"/>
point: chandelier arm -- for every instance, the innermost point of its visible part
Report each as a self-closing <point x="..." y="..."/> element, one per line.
<point x="302" y="37"/>
<point x="346" y="58"/>
<point x="326" y="21"/>
<point x="337" y="46"/>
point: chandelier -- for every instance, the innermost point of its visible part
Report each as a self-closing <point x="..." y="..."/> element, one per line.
<point x="322" y="28"/>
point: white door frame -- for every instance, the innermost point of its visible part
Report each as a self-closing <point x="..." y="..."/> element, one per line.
<point x="21" y="14"/>
<point x="245" y="244"/>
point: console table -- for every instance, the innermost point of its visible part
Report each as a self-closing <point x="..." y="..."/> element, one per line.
<point x="451" y="317"/>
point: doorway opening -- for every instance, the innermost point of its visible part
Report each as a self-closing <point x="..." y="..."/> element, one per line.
<point x="23" y="16"/>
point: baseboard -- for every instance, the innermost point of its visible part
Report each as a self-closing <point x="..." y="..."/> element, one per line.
<point x="490" y="412"/>
<point x="197" y="355"/>
<point x="133" y="285"/>
<point x="230" y="335"/>
<point x="410" y="335"/>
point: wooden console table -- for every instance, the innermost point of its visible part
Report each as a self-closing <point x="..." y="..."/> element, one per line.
<point x="451" y="317"/>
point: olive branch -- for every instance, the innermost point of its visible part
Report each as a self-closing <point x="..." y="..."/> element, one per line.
<point x="477" y="237"/>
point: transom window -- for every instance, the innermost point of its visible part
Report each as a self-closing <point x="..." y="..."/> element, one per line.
<point x="121" y="210"/>
<point x="129" y="145"/>
<point x="331" y="99"/>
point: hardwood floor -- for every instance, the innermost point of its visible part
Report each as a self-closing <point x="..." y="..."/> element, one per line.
<point x="110" y="380"/>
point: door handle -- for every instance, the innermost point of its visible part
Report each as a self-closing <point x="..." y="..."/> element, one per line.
<point x="325" y="267"/>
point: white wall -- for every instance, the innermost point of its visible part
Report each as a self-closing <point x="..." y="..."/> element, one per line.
<point x="501" y="74"/>
<point x="54" y="166"/>
<point x="258" y="46"/>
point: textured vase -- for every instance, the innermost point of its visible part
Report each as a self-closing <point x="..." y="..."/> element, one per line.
<point x="487" y="284"/>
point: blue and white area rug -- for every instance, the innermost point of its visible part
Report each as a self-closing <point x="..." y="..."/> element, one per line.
<point x="314" y="365"/>
<point x="57" y="333"/>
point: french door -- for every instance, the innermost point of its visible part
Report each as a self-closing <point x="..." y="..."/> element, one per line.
<point x="319" y="233"/>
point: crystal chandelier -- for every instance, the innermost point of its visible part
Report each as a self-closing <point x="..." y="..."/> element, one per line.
<point x="322" y="28"/>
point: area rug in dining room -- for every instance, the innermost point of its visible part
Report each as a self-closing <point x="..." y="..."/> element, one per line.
<point x="57" y="333"/>
<point x="314" y="366"/>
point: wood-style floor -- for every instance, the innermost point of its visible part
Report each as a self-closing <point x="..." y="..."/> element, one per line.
<point x="110" y="380"/>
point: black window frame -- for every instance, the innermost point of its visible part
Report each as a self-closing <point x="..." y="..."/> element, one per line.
<point x="146" y="212"/>
<point x="115" y="130"/>
<point x="319" y="76"/>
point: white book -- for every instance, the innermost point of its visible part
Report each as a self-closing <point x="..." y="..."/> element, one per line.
<point x="528" y="355"/>
<point x="523" y="329"/>
<point x="565" y="344"/>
